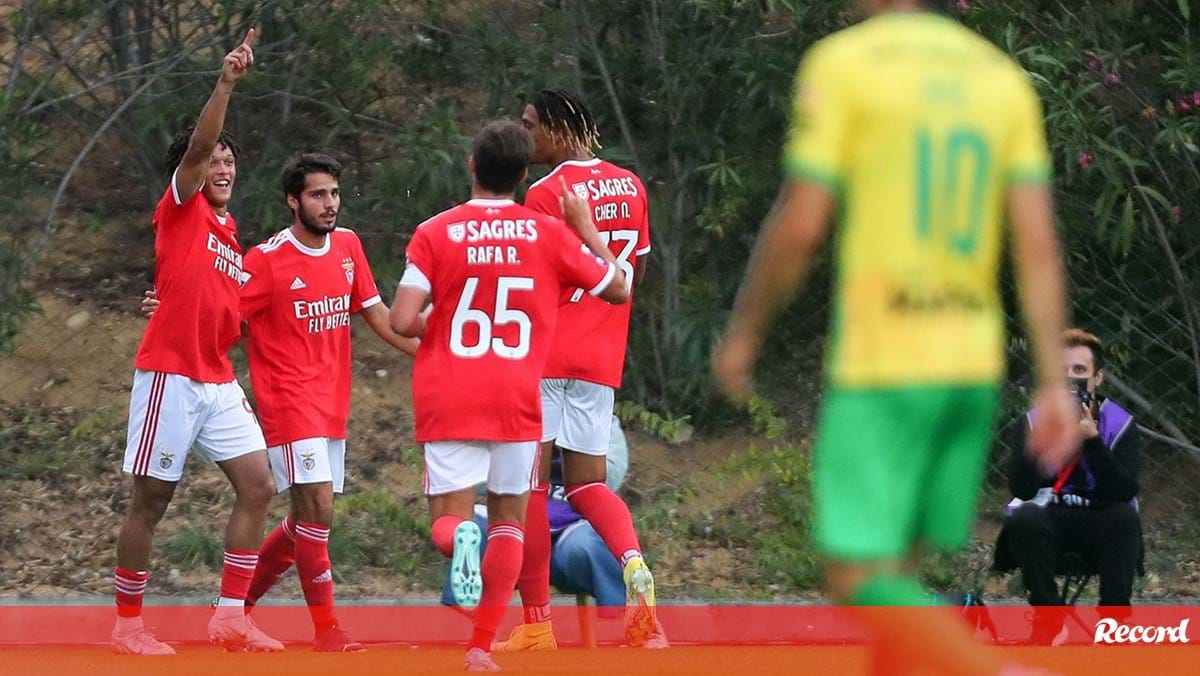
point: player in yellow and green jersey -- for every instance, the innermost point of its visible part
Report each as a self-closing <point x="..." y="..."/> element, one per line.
<point x="922" y="134"/>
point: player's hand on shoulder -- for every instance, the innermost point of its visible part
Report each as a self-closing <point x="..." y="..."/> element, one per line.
<point x="575" y="210"/>
<point x="150" y="303"/>
<point x="238" y="62"/>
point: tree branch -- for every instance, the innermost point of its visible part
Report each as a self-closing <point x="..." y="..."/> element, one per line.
<point x="14" y="72"/>
<point x="1180" y="282"/>
<point x="80" y="40"/>
<point x="48" y="224"/>
<point x="606" y="77"/>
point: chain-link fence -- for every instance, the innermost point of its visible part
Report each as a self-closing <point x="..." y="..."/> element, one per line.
<point x="1141" y="312"/>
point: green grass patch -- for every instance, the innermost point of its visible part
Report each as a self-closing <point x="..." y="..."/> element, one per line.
<point x="193" y="547"/>
<point x="783" y="546"/>
<point x="372" y="529"/>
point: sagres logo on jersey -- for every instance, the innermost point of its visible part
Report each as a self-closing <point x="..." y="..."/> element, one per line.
<point x="456" y="231"/>
<point x="306" y="459"/>
<point x="581" y="190"/>
<point x="165" y="459"/>
<point x="348" y="267"/>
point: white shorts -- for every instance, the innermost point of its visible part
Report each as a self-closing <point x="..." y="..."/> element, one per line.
<point x="170" y="414"/>
<point x="577" y="414"/>
<point x="508" y="467"/>
<point x="309" y="461"/>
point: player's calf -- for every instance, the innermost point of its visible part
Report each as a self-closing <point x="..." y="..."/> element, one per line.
<point x="609" y="515"/>
<point x="147" y="506"/>
<point x="534" y="582"/>
<point x="254" y="487"/>
<point x="501" y="565"/>
<point x="277" y="555"/>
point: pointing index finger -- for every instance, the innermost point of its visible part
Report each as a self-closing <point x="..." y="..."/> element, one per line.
<point x="249" y="39"/>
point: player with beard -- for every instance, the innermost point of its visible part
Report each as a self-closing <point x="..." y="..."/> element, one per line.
<point x="299" y="289"/>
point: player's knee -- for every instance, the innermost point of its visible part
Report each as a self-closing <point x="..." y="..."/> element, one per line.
<point x="313" y="505"/>
<point x="256" y="492"/>
<point x="150" y="500"/>
<point x="150" y="508"/>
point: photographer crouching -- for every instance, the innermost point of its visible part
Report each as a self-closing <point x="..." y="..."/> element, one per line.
<point x="1088" y="509"/>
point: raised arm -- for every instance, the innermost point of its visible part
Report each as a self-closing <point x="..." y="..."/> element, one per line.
<point x="194" y="166"/>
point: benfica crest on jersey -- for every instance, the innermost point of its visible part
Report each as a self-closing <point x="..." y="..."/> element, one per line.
<point x="456" y="232"/>
<point x="348" y="267"/>
<point x="581" y="190"/>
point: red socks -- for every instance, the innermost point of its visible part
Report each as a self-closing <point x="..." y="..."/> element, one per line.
<point x="236" y="575"/>
<point x="274" y="559"/>
<point x="607" y="513"/>
<point x="534" y="580"/>
<point x="316" y="574"/>
<point x="442" y="533"/>
<point x="306" y="545"/>
<point x="130" y="588"/>
<point x="500" y="568"/>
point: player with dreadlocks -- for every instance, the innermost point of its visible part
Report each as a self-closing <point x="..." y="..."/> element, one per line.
<point x="584" y="370"/>
<point x="184" y="392"/>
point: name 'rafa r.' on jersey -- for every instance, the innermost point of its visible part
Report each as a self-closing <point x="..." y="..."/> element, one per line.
<point x="495" y="272"/>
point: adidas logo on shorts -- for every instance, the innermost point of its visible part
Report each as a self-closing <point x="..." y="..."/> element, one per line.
<point x="298" y="283"/>
<point x="327" y="576"/>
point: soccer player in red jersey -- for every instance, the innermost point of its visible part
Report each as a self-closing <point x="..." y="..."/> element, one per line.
<point x="300" y="288"/>
<point x="584" y="370"/>
<point x="184" y="392"/>
<point x="495" y="272"/>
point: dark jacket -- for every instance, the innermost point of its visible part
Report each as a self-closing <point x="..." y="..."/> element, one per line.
<point x="1107" y="471"/>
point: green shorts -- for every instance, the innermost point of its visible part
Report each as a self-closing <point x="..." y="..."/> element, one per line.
<point x="899" y="466"/>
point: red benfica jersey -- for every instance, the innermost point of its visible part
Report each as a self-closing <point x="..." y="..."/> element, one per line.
<point x="590" y="341"/>
<point x="495" y="271"/>
<point x="198" y="264"/>
<point x="298" y="303"/>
